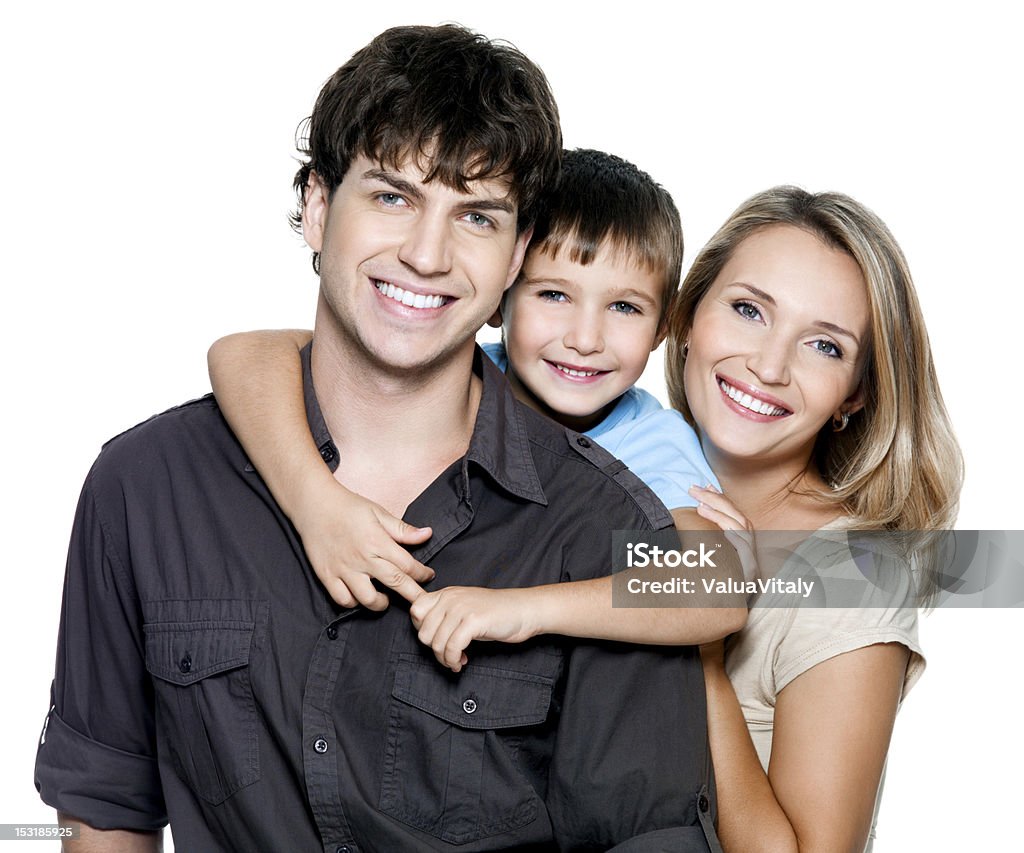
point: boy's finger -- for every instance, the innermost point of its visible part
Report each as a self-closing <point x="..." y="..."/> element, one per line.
<point x="340" y="592"/>
<point x="409" y="564"/>
<point x="421" y="607"/>
<point x="401" y="531"/>
<point x="367" y="594"/>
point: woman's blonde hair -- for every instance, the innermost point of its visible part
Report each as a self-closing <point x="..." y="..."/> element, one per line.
<point x="898" y="465"/>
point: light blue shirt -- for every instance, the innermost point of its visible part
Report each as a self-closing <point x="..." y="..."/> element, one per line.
<point x="655" y="443"/>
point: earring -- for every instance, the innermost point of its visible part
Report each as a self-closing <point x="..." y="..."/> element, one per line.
<point x="686" y="348"/>
<point x="840" y="423"/>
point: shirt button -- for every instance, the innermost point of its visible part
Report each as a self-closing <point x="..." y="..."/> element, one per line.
<point x="332" y="632"/>
<point x="320" y="745"/>
<point x="469" y="706"/>
<point x="326" y="453"/>
<point x="185" y="664"/>
<point x="583" y="441"/>
<point x="702" y="803"/>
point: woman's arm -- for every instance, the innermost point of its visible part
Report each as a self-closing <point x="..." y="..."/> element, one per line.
<point x="350" y="541"/>
<point x="831" y="734"/>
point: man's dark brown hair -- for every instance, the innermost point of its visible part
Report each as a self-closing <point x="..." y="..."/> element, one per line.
<point x="465" y="107"/>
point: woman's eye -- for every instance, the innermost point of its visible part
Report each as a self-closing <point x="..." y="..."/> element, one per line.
<point x="625" y="308"/>
<point x="747" y="310"/>
<point x="827" y="348"/>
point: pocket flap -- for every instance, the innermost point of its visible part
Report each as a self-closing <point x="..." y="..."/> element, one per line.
<point x="479" y="697"/>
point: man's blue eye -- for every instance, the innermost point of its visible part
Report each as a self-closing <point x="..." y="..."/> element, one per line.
<point x="478" y="219"/>
<point x="389" y="199"/>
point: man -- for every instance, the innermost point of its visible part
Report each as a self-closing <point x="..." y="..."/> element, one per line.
<point x="203" y="673"/>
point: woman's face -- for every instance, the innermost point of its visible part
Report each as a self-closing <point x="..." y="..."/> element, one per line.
<point x="776" y="348"/>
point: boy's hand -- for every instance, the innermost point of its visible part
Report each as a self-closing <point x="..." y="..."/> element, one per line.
<point x="718" y="509"/>
<point x="352" y="541"/>
<point x="451" y="618"/>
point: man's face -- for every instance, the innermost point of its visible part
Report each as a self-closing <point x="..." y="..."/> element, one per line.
<point x="409" y="271"/>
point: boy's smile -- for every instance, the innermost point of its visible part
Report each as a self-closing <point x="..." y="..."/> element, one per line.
<point x="579" y="336"/>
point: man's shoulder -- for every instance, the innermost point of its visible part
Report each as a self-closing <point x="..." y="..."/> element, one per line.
<point x="566" y="458"/>
<point x="160" y="442"/>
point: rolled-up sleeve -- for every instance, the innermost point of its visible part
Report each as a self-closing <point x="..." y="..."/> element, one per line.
<point x="96" y="758"/>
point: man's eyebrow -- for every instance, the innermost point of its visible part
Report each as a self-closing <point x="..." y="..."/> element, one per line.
<point x="824" y="324"/>
<point x="498" y="205"/>
<point x="394" y="181"/>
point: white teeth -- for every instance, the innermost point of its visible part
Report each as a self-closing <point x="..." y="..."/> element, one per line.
<point x="407" y="297"/>
<point x="748" y="402"/>
<point x="571" y="372"/>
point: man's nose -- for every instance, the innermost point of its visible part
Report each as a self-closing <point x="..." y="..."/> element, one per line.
<point x="426" y="245"/>
<point x="585" y="333"/>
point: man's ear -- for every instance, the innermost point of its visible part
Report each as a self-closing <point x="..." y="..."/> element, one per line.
<point x="518" y="255"/>
<point x="315" y="204"/>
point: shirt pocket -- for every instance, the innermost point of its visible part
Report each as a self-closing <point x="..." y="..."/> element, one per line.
<point x="450" y="765"/>
<point x="205" y="711"/>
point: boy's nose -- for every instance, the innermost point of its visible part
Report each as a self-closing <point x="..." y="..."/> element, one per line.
<point x="426" y="245"/>
<point x="585" y="334"/>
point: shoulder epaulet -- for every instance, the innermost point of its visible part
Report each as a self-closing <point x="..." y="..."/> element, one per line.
<point x="601" y="459"/>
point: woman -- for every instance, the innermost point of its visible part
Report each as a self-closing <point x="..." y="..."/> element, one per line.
<point x="798" y="351"/>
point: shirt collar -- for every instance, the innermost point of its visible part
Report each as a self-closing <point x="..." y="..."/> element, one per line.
<point x="500" y="443"/>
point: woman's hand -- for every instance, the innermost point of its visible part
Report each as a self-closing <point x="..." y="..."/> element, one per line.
<point x="718" y="509"/>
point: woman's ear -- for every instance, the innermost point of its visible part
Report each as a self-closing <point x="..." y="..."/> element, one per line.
<point x="853" y="403"/>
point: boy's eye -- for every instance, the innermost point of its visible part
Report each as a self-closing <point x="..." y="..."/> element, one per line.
<point x="625" y="308"/>
<point x="827" y="348"/>
<point x="747" y="310"/>
<point x="553" y="296"/>
<point x="478" y="219"/>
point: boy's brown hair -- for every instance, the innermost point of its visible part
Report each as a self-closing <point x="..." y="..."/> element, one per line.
<point x="601" y="199"/>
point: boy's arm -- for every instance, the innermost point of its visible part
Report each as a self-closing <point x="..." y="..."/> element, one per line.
<point x="450" y="619"/>
<point x="350" y="541"/>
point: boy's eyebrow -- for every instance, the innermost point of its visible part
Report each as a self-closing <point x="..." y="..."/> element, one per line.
<point x="499" y="205"/>
<point x="633" y="294"/>
<point x="824" y="324"/>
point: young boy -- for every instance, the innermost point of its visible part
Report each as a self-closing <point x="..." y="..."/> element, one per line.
<point x="579" y="325"/>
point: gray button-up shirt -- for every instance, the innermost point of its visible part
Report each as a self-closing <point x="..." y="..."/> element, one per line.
<point x="205" y="676"/>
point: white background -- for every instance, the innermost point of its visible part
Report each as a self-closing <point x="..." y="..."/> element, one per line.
<point x="147" y="162"/>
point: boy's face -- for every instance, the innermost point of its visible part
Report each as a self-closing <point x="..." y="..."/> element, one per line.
<point x="579" y="336"/>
